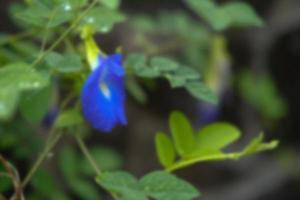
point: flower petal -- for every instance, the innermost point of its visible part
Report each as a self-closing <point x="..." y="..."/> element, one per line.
<point x="103" y="95"/>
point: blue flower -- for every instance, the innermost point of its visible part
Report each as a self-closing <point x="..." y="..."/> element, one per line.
<point x="103" y="94"/>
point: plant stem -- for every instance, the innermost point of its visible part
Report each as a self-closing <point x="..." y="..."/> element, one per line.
<point x="52" y="140"/>
<point x="93" y="163"/>
<point x="87" y="154"/>
<point x="65" y="34"/>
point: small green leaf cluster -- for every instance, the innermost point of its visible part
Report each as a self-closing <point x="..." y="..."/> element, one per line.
<point x="171" y="22"/>
<point x="221" y="17"/>
<point x="187" y="148"/>
<point x="178" y="75"/>
<point x="55" y="13"/>
<point x="157" y="185"/>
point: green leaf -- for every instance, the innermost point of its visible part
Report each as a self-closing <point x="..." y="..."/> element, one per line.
<point x="232" y="14"/>
<point x="163" y="64"/>
<point x="74" y="4"/>
<point x="188" y="73"/>
<point x="21" y="76"/>
<point x="113" y="4"/>
<point x="241" y="15"/>
<point x="57" y="195"/>
<point x="68" y="163"/>
<point x="6" y="184"/>
<point x="147" y="72"/>
<point x="136" y="63"/>
<point x="176" y="80"/>
<point x="105" y="158"/>
<point x="217" y="136"/>
<point x="201" y="92"/>
<point x="46" y="14"/>
<point x="68" y="118"/>
<point x="102" y="19"/>
<point x="164" y="149"/>
<point x="34" y="105"/>
<point x="260" y="92"/>
<point x="15" y="78"/>
<point x="164" y="186"/>
<point x="64" y="63"/>
<point x="257" y="145"/>
<point x="47" y="180"/>
<point x="9" y="97"/>
<point x="122" y="183"/>
<point x="135" y="90"/>
<point x="182" y="133"/>
<point x="84" y="189"/>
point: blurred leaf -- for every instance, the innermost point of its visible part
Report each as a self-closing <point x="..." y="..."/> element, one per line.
<point x="241" y="14"/>
<point x="201" y="92"/>
<point x="7" y="139"/>
<point x="34" y="105"/>
<point x="106" y="159"/>
<point x="135" y="90"/>
<point x="9" y="97"/>
<point x="74" y="4"/>
<point x="15" y="78"/>
<point x="182" y="133"/>
<point x="257" y="145"/>
<point x="122" y="183"/>
<point x="21" y="76"/>
<point x="102" y="19"/>
<point x="113" y="4"/>
<point x="6" y="183"/>
<point x="188" y="73"/>
<point x="163" y="64"/>
<point x="164" y="149"/>
<point x="84" y="189"/>
<point x="25" y="49"/>
<point x="176" y="80"/>
<point x="260" y="91"/>
<point x="68" y="163"/>
<point x="177" y="75"/>
<point x="176" y="23"/>
<point x="68" y="118"/>
<point x="64" y="63"/>
<point x="164" y="186"/>
<point x="42" y="13"/>
<point x="43" y="182"/>
<point x="59" y="196"/>
<point x="238" y="14"/>
<point x="217" y="136"/>
<point x="136" y="63"/>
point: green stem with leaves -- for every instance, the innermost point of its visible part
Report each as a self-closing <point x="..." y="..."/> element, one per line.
<point x="91" y="160"/>
<point x="64" y="34"/>
<point x="52" y="140"/>
<point x="87" y="154"/>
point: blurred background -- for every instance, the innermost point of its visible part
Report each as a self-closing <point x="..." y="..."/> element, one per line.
<point x="254" y="71"/>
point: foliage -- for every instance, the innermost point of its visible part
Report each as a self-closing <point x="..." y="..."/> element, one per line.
<point x="45" y="64"/>
<point x="207" y="144"/>
<point x="221" y="17"/>
<point x="158" y="185"/>
<point x="261" y="93"/>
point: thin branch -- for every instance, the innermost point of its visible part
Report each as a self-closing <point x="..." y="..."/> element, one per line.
<point x="91" y="160"/>
<point x="64" y="34"/>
